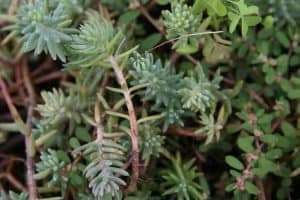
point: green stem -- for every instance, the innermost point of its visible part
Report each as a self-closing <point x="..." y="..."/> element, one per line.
<point x="49" y="190"/>
<point x="138" y="87"/>
<point x="8" y="18"/>
<point x="116" y="114"/>
<point x="150" y="118"/>
<point x="10" y="127"/>
<point x="43" y="174"/>
<point x="43" y="139"/>
<point x="52" y="198"/>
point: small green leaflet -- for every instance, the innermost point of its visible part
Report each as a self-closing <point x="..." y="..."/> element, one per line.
<point x="251" y="188"/>
<point x="234" y="162"/>
<point x="246" y="14"/>
<point x="245" y="143"/>
<point x="213" y="6"/>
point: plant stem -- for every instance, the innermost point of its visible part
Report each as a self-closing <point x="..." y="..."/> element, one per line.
<point x="187" y="132"/>
<point x="13" y="111"/>
<point x="133" y="125"/>
<point x="146" y="14"/>
<point x="29" y="139"/>
<point x="13" y="7"/>
<point x="11" y="127"/>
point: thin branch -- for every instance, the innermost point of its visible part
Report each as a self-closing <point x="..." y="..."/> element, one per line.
<point x="257" y="98"/>
<point x="13" y="7"/>
<point x="259" y="183"/>
<point x="104" y="82"/>
<point x="5" y="61"/>
<point x="29" y="139"/>
<point x="13" y="181"/>
<point x="187" y="132"/>
<point x="50" y="76"/>
<point x="133" y="125"/>
<point x="146" y="14"/>
<point x="184" y="36"/>
<point x="13" y="111"/>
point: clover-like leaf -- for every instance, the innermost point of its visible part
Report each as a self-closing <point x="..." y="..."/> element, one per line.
<point x="248" y="15"/>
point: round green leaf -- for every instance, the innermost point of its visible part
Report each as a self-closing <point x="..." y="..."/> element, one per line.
<point x="251" y="188"/>
<point x="245" y="143"/>
<point x="234" y="162"/>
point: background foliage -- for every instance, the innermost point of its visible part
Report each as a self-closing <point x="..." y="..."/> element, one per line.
<point x="149" y="99"/>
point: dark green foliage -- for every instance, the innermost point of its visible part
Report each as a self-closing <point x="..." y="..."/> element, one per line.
<point x="241" y="13"/>
<point x="183" y="179"/>
<point x="4" y="4"/>
<point x="151" y="100"/>
<point x="73" y="7"/>
<point x="282" y="10"/>
<point x="118" y="5"/>
<point x="13" y="196"/>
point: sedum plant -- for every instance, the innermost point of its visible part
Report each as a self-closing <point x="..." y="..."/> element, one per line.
<point x="183" y="181"/>
<point x="181" y="21"/>
<point x="149" y="99"/>
<point x="93" y="43"/>
<point x="44" y="30"/>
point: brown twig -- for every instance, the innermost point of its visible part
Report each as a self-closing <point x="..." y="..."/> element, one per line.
<point x="6" y="62"/>
<point x="276" y="124"/>
<point x="13" y="111"/>
<point x="146" y="14"/>
<point x="257" y="98"/>
<point x="187" y="132"/>
<point x="51" y="76"/>
<point x="133" y="125"/>
<point x="259" y="183"/>
<point x="42" y="67"/>
<point x="104" y="82"/>
<point x="19" y="81"/>
<point x="29" y="140"/>
<point x="10" y="161"/>
<point x="13" y="7"/>
<point x="13" y="181"/>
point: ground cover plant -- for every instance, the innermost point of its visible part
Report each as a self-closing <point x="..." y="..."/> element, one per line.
<point x="149" y="99"/>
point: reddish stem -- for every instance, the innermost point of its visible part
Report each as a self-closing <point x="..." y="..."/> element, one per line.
<point x="133" y="126"/>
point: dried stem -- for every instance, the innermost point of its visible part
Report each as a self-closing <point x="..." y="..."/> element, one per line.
<point x="133" y="125"/>
<point x="187" y="132"/>
<point x="146" y="14"/>
<point x="13" y="181"/>
<point x="258" y="98"/>
<point x="29" y="139"/>
<point x="259" y="183"/>
<point x="13" y="7"/>
<point x="13" y="111"/>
